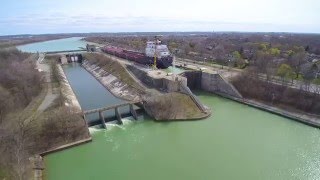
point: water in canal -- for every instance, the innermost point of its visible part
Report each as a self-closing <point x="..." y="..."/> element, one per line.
<point x="74" y="43"/>
<point x="174" y="69"/>
<point x="90" y="93"/>
<point x="236" y="142"/>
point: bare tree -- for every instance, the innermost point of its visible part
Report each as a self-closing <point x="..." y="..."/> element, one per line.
<point x="296" y="60"/>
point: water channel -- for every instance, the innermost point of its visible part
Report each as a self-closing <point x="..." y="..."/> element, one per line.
<point x="236" y="142"/>
<point x="90" y="93"/>
<point x="74" y="43"/>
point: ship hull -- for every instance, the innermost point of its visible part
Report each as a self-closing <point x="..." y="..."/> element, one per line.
<point x="162" y="63"/>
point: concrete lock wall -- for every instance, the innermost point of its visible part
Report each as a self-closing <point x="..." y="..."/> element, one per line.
<point x="167" y="83"/>
<point x="142" y="75"/>
<point x="193" y="79"/>
<point x="216" y="84"/>
<point x="173" y="83"/>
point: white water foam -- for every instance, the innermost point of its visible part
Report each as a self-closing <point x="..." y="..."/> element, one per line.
<point x="128" y="120"/>
<point x="113" y="124"/>
<point x="95" y="129"/>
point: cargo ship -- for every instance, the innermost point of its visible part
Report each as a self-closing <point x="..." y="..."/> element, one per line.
<point x="154" y="50"/>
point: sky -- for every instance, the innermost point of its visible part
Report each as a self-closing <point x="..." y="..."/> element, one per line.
<point x="84" y="16"/>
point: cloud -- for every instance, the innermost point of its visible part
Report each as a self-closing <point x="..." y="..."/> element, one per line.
<point x="62" y="22"/>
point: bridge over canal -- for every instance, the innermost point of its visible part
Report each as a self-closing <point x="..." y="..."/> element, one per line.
<point x="115" y="107"/>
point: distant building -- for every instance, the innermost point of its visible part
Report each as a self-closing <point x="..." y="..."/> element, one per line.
<point x="91" y="48"/>
<point x="312" y="57"/>
<point x="310" y="70"/>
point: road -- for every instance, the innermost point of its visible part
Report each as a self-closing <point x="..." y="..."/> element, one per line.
<point x="229" y="73"/>
<point x="226" y="72"/>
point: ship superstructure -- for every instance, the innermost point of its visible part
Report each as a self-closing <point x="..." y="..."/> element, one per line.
<point x="156" y="53"/>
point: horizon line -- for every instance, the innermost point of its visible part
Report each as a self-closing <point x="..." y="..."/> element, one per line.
<point x="132" y="32"/>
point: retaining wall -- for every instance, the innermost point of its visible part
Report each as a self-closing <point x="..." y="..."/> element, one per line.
<point x="217" y="84"/>
<point x="67" y="91"/>
<point x="210" y="82"/>
<point x="166" y="83"/>
<point x="117" y="87"/>
<point x="194" y="79"/>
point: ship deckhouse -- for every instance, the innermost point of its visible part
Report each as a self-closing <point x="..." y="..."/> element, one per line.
<point x="157" y="49"/>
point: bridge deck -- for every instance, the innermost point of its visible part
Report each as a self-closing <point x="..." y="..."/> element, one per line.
<point x="66" y="51"/>
<point x="110" y="107"/>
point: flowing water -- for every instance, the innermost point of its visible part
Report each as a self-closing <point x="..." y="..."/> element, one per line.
<point x="236" y="142"/>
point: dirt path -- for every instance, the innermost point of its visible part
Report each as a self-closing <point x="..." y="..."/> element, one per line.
<point x="50" y="96"/>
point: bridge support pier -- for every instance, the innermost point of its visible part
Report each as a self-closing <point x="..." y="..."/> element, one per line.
<point x="101" y="116"/>
<point x="133" y="112"/>
<point x="116" y="110"/>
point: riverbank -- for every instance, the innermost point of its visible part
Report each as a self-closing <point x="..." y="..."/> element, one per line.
<point x="211" y="81"/>
<point x="307" y="119"/>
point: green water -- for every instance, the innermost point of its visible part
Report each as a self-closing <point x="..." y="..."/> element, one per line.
<point x="175" y="70"/>
<point x="73" y="43"/>
<point x="236" y="142"/>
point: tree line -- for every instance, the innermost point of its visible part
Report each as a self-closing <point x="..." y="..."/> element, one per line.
<point x="24" y="131"/>
<point x="19" y="80"/>
<point x="296" y="99"/>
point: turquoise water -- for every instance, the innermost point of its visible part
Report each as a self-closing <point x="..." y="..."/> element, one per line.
<point x="175" y="70"/>
<point x="73" y="43"/>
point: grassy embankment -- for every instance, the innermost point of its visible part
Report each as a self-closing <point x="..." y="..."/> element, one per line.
<point x="115" y="68"/>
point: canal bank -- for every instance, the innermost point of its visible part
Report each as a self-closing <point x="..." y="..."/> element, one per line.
<point x="60" y="111"/>
<point x="211" y="81"/>
<point x="307" y="119"/>
<point x="71" y="102"/>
